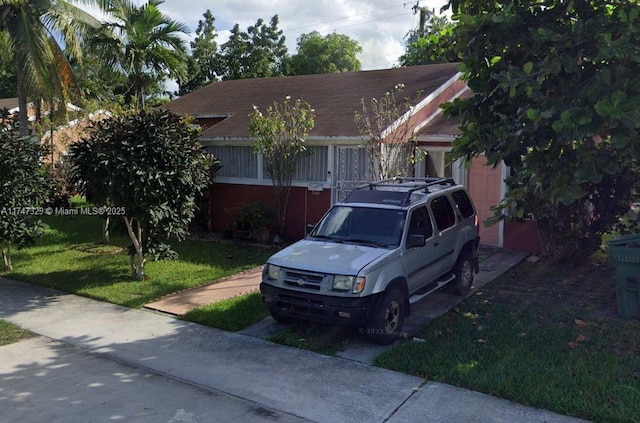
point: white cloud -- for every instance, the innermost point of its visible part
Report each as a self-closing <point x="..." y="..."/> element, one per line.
<point x="380" y="26"/>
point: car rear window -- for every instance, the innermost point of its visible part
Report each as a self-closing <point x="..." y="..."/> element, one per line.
<point x="464" y="203"/>
<point x="443" y="213"/>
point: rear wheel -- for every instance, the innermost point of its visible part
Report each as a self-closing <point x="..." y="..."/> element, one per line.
<point x="463" y="270"/>
<point x="387" y="321"/>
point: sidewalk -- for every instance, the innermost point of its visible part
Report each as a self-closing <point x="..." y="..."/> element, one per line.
<point x="287" y="384"/>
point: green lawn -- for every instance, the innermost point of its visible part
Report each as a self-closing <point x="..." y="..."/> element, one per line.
<point x="10" y="333"/>
<point x="542" y="335"/>
<point x="233" y="314"/>
<point x="71" y="258"/>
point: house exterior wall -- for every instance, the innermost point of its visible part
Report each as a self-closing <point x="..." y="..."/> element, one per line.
<point x="522" y="236"/>
<point x="305" y="206"/>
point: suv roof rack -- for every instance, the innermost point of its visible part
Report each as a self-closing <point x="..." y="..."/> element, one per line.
<point x="401" y="198"/>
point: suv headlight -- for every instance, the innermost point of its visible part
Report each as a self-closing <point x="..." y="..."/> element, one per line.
<point x="349" y="283"/>
<point x="272" y="271"/>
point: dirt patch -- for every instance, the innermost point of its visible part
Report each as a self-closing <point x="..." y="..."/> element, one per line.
<point x="99" y="248"/>
<point x="583" y="298"/>
<point x="590" y="287"/>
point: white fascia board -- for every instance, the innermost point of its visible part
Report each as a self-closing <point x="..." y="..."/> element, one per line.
<point x="423" y="104"/>
<point x="439" y="111"/>
<point x="218" y="141"/>
<point x="436" y="138"/>
<point x="213" y="116"/>
<point x="315" y="141"/>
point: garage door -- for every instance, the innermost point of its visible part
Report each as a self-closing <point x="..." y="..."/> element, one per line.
<point x="484" y="188"/>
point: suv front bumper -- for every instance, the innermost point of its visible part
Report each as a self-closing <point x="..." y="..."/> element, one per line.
<point x="317" y="308"/>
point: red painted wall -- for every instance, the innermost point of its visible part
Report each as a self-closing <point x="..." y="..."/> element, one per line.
<point x="304" y="206"/>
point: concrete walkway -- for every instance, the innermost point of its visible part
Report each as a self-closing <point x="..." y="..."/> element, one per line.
<point x="180" y="303"/>
<point x="97" y="361"/>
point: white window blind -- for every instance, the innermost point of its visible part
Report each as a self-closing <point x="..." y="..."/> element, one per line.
<point x="311" y="166"/>
<point x="237" y="161"/>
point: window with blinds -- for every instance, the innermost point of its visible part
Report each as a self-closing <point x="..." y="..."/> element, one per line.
<point x="312" y="165"/>
<point x="242" y="162"/>
<point x="237" y="161"/>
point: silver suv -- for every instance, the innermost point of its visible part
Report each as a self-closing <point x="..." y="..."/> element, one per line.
<point x="386" y="246"/>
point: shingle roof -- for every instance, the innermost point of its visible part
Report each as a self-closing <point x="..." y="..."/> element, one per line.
<point x="335" y="97"/>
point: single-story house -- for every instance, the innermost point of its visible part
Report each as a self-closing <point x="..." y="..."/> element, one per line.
<point x="337" y="163"/>
<point x="60" y="138"/>
<point x="11" y="104"/>
<point x="62" y="135"/>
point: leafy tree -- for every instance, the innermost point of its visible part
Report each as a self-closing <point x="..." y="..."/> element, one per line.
<point x="150" y="164"/>
<point x="23" y="187"/>
<point x="432" y="42"/>
<point x="8" y="76"/>
<point x="390" y="153"/>
<point x="328" y="54"/>
<point x="260" y="52"/>
<point x="202" y="64"/>
<point x="280" y="137"/>
<point x="144" y="44"/>
<point x="42" y="70"/>
<point x="102" y="84"/>
<point x="557" y="98"/>
<point x="203" y="201"/>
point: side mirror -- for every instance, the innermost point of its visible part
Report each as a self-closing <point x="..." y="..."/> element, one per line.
<point x="416" y="241"/>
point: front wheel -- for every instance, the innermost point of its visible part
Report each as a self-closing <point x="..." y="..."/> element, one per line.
<point x="387" y="321"/>
<point x="463" y="270"/>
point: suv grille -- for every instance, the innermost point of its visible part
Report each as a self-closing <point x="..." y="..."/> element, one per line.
<point x="306" y="280"/>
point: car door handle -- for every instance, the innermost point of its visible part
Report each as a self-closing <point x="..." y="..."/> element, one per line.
<point x="435" y="244"/>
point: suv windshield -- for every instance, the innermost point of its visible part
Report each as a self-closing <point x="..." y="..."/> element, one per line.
<point x="379" y="227"/>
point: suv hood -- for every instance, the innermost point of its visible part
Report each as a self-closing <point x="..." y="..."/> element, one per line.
<point x="327" y="257"/>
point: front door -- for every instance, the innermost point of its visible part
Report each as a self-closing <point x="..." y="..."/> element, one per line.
<point x="351" y="169"/>
<point x="485" y="184"/>
<point x="419" y="261"/>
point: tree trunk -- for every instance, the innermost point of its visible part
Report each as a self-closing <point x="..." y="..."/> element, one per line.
<point x="6" y="255"/>
<point x="138" y="259"/>
<point x="286" y="194"/>
<point x="23" y="114"/>
<point x="106" y="239"/>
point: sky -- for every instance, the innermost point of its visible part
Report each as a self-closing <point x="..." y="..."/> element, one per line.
<point x="380" y="26"/>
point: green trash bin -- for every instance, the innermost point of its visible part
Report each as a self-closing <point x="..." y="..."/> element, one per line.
<point x="624" y="253"/>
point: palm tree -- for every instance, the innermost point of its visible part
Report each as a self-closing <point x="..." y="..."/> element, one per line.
<point x="34" y="30"/>
<point x="144" y="43"/>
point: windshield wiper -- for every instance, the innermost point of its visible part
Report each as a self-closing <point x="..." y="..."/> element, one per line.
<point x="328" y="238"/>
<point x="367" y="242"/>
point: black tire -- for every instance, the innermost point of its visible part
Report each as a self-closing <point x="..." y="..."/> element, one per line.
<point x="281" y="318"/>
<point x="463" y="270"/>
<point x="386" y="323"/>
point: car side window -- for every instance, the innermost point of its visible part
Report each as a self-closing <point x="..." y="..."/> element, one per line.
<point x="443" y="213"/>
<point x="420" y="223"/>
<point x="463" y="202"/>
